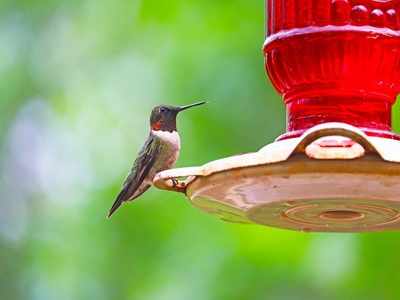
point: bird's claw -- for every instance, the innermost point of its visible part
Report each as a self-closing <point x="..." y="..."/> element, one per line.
<point x="175" y="182"/>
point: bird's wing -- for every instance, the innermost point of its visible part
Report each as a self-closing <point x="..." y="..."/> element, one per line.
<point x="138" y="173"/>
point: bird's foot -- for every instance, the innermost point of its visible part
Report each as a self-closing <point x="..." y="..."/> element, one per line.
<point x="175" y="182"/>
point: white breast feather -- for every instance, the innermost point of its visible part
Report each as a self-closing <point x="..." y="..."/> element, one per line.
<point x="171" y="138"/>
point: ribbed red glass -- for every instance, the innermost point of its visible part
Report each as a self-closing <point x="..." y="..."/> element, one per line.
<point x="335" y="61"/>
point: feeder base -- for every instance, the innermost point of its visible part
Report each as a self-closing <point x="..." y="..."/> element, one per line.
<point x="307" y="195"/>
<point x="332" y="179"/>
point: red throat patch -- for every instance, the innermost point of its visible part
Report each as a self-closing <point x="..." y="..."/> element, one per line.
<point x="156" y="126"/>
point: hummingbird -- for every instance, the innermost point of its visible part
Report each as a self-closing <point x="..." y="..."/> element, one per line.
<point x="159" y="152"/>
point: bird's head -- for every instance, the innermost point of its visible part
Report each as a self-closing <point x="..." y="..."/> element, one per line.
<point x="163" y="117"/>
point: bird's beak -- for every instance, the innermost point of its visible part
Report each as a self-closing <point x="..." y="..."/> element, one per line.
<point x="181" y="108"/>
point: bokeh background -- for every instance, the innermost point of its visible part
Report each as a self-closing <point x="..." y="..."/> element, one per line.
<point x="78" y="80"/>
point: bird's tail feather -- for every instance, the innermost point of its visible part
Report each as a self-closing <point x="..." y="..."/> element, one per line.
<point x="125" y="195"/>
<point x="114" y="207"/>
<point x="117" y="203"/>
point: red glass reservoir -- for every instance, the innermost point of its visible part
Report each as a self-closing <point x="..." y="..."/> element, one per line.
<point x="335" y="61"/>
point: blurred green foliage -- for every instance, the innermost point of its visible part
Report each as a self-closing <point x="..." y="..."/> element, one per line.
<point x="79" y="79"/>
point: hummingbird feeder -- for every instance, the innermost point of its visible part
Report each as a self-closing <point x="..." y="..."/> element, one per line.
<point x="337" y="168"/>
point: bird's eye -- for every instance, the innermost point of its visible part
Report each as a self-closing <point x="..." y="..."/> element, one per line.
<point x="162" y="109"/>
